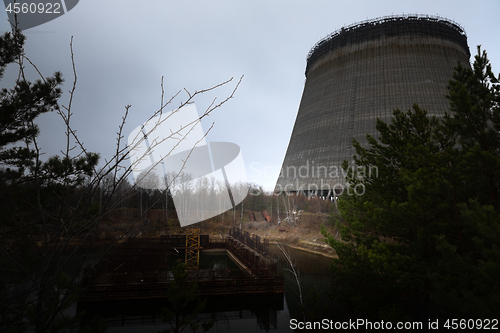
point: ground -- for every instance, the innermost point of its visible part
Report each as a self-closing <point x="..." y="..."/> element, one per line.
<point x="304" y="233"/>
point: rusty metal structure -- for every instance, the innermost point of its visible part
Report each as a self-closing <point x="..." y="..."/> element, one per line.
<point x="139" y="269"/>
<point x="193" y="249"/>
<point x="357" y="74"/>
<point x="222" y="310"/>
<point x="251" y="240"/>
<point x="266" y="216"/>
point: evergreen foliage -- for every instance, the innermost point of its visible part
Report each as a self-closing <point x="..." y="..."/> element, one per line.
<point x="37" y="225"/>
<point x="183" y="303"/>
<point x="424" y="239"/>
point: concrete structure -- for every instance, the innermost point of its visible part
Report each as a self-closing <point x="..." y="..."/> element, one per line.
<point x="358" y="74"/>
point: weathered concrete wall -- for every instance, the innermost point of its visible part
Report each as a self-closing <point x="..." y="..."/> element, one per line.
<point x="351" y="84"/>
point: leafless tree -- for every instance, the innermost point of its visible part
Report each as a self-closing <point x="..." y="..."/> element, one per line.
<point x="293" y="270"/>
<point x="43" y="251"/>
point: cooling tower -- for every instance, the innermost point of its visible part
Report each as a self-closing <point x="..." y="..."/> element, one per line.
<point x="358" y="74"/>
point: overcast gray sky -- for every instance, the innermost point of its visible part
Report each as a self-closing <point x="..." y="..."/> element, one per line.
<point x="123" y="48"/>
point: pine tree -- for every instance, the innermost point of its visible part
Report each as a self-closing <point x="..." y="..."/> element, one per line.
<point x="37" y="224"/>
<point x="424" y="238"/>
<point x="183" y="303"/>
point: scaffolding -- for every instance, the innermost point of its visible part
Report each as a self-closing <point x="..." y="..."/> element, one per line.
<point x="138" y="268"/>
<point x="193" y="249"/>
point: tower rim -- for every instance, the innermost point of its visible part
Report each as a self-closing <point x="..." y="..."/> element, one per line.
<point x="393" y="25"/>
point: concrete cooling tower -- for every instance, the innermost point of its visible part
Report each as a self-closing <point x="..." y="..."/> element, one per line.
<point x="358" y="74"/>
